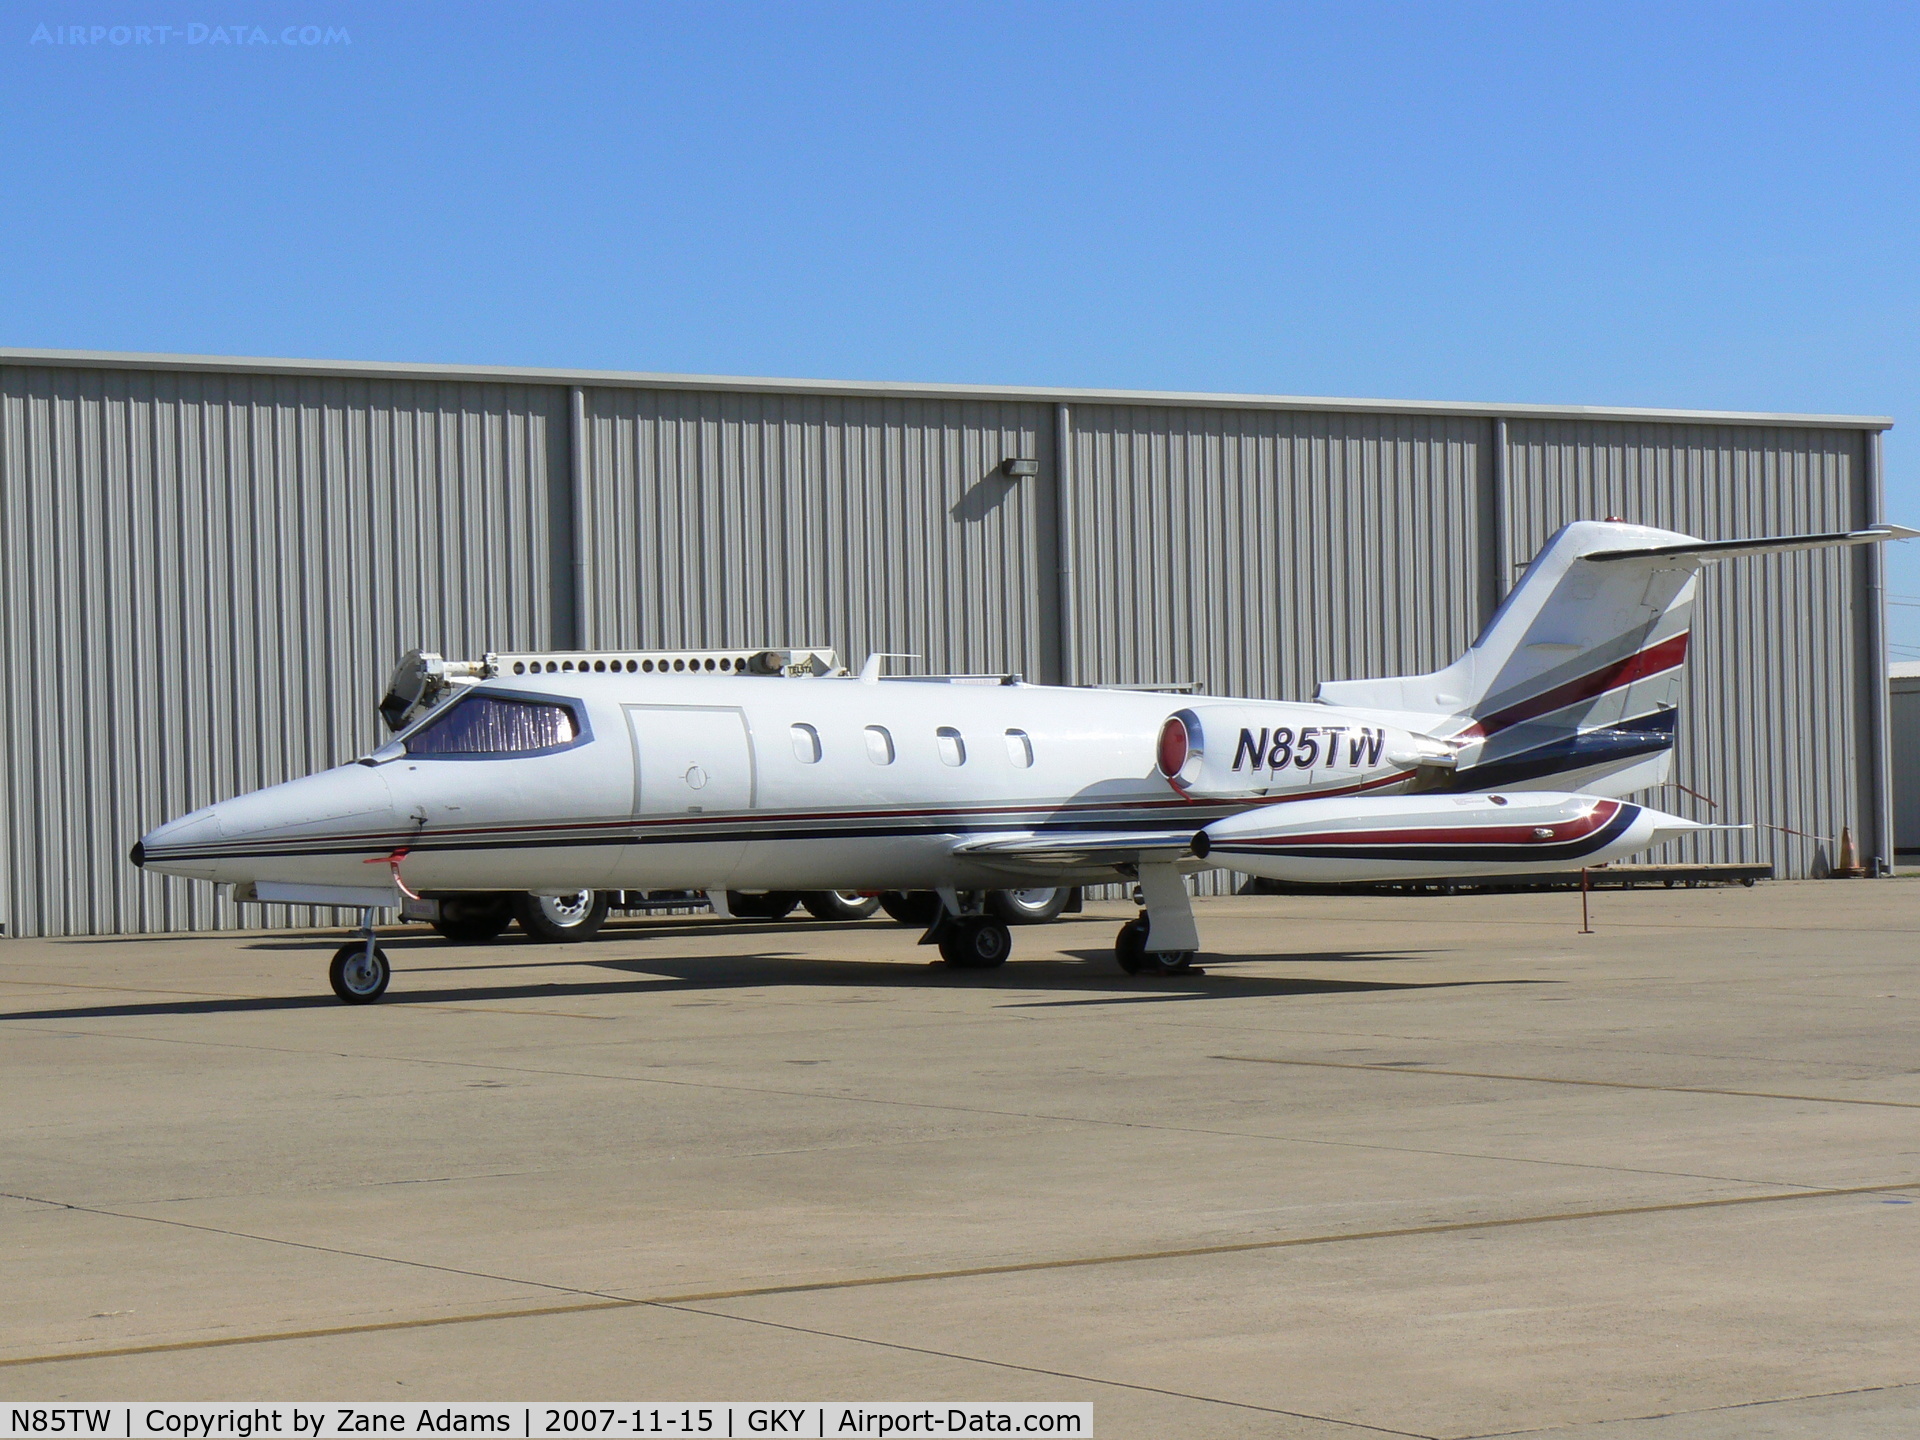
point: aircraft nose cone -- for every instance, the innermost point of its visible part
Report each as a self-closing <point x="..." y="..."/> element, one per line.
<point x="330" y="798"/>
<point x="159" y="848"/>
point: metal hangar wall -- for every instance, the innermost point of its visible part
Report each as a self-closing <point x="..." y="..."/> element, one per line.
<point x="208" y="566"/>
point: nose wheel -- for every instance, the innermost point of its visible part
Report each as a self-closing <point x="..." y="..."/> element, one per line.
<point x="359" y="973"/>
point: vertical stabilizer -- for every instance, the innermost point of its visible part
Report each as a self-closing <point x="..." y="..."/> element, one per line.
<point x="1575" y="682"/>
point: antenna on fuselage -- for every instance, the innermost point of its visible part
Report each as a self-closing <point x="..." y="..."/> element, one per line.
<point x="870" y="671"/>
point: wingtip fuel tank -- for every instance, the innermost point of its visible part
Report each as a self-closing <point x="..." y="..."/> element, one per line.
<point x="1421" y="836"/>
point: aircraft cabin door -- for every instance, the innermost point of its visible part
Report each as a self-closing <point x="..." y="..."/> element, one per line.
<point x="690" y="761"/>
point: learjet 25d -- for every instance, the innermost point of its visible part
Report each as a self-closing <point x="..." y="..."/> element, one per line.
<point x="1516" y="759"/>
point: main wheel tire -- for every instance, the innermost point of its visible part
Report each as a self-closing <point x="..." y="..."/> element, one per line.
<point x="918" y="908"/>
<point x="1130" y="949"/>
<point x="977" y="942"/>
<point x="769" y="905"/>
<point x="1028" y="907"/>
<point x="357" y="976"/>
<point x="562" y="919"/>
<point x="473" y="919"/>
<point x="840" y="904"/>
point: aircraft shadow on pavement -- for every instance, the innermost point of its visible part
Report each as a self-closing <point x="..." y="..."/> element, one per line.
<point x="757" y="969"/>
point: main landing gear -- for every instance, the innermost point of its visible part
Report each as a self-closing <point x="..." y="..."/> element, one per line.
<point x="969" y="927"/>
<point x="1130" y="949"/>
<point x="969" y="938"/>
<point x="1164" y="939"/>
<point x="976" y="942"/>
<point x="360" y="972"/>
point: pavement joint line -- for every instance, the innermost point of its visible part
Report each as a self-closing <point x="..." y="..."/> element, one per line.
<point x="130" y="990"/>
<point x="1041" y="1370"/>
<point x="1537" y="1042"/>
<point x="1415" y="1068"/>
<point x="606" y="1301"/>
<point x="303" y="1245"/>
<point x="1035" y="1116"/>
<point x="1559" y="1050"/>
<point x="479" y="1006"/>
<point x="1702" y="1410"/>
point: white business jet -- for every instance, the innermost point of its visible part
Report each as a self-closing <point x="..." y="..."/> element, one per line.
<point x="1515" y="759"/>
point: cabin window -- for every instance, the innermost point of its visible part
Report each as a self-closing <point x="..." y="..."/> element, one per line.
<point x="490" y="725"/>
<point x="879" y="745"/>
<point x="953" y="750"/>
<point x="806" y="744"/>
<point x="1019" y="748"/>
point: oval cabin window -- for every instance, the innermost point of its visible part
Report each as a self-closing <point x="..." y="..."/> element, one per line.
<point x="953" y="750"/>
<point x="806" y="744"/>
<point x="879" y="745"/>
<point x="1019" y="748"/>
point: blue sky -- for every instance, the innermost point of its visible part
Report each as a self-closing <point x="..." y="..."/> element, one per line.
<point x="1697" y="206"/>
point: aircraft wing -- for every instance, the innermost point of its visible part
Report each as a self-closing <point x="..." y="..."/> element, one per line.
<point x="1078" y="850"/>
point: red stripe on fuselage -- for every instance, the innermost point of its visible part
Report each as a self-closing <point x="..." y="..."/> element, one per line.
<point x="1650" y="661"/>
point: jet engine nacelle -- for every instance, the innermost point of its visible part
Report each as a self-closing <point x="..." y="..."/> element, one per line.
<point x="1412" y="837"/>
<point x="1244" y="751"/>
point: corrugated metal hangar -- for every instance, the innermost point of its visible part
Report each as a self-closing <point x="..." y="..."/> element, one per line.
<point x="210" y="565"/>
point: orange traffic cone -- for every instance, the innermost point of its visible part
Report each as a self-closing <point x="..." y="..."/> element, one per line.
<point x="1848" y="867"/>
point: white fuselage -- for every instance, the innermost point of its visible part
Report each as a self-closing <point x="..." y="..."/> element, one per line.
<point x="684" y="781"/>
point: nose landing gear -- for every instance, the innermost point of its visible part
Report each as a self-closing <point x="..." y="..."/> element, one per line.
<point x="360" y="973"/>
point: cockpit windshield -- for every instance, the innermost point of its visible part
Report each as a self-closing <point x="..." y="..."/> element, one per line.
<point x="492" y="725"/>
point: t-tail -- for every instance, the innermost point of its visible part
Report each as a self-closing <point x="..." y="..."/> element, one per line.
<point x="1575" y="682"/>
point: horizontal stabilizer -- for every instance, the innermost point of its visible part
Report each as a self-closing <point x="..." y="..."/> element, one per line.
<point x="1721" y="549"/>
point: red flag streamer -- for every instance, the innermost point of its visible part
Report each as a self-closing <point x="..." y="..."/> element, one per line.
<point x="392" y="862"/>
<point x="1803" y="834"/>
<point x="1764" y="825"/>
<point x="1710" y="803"/>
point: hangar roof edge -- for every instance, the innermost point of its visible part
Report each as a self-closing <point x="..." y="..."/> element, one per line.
<point x="885" y="389"/>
